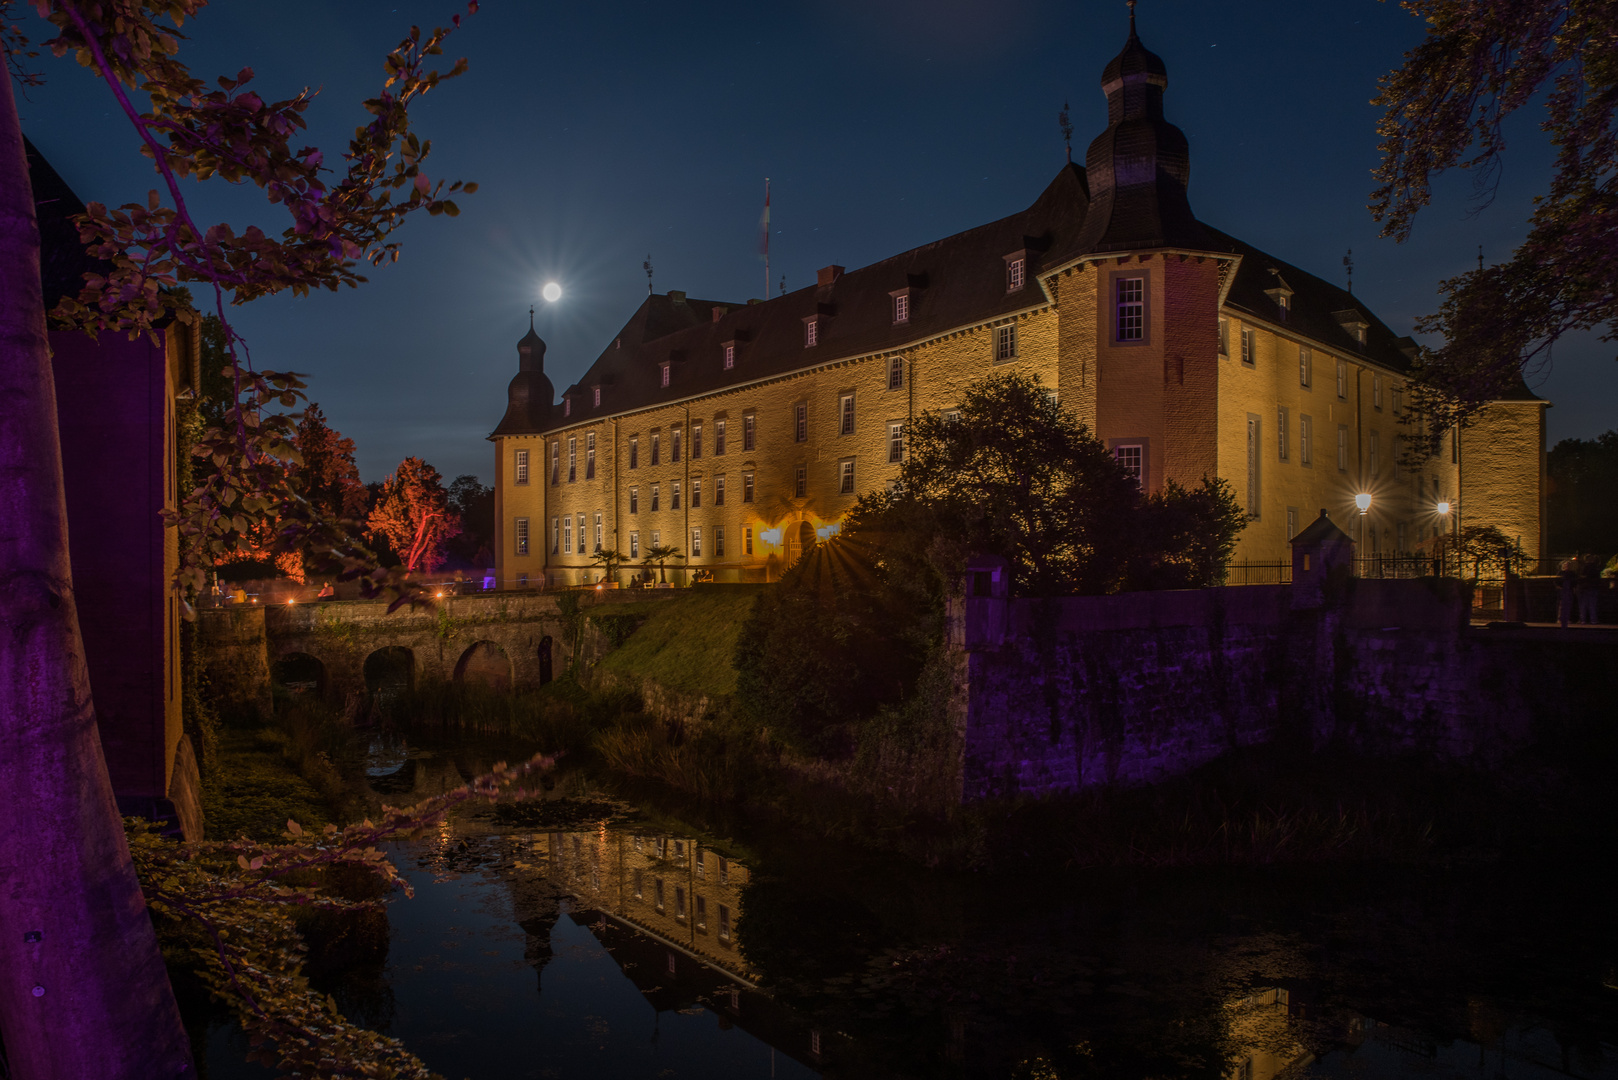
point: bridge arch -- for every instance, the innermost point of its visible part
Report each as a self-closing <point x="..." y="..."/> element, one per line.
<point x="546" y="661"/>
<point x="487" y="663"/>
<point x="390" y="672"/>
<point x="301" y="675"/>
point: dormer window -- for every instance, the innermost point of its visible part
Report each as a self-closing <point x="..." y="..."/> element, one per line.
<point x="1280" y="295"/>
<point x="596" y="394"/>
<point x="567" y="406"/>
<point x="901" y="307"/>
<point x="663" y="374"/>
<point x="1284" y="303"/>
<point x="730" y="354"/>
<point x="811" y="331"/>
<point x="1016" y="270"/>
<point x="1353" y="323"/>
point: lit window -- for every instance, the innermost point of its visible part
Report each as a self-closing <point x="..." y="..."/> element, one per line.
<point x="1284" y="302"/>
<point x="696" y="542"/>
<point x="634" y="452"/>
<point x="1249" y="348"/>
<point x="901" y="308"/>
<point x="674" y="446"/>
<point x="657" y="496"/>
<point x="634" y="500"/>
<point x="657" y="538"/>
<point x="1131" y="309"/>
<point x="719" y="543"/>
<point x="598" y="531"/>
<point x="590" y="456"/>
<point x="802" y="421"/>
<point x="696" y="494"/>
<point x="1129" y="458"/>
<point x="567" y="534"/>
<point x="845" y="414"/>
<point x="811" y="332"/>
<point x="1005" y="342"/>
<point x="674" y="495"/>
<point x="747" y="540"/>
<point x="747" y="487"/>
<point x="952" y="416"/>
<point x="657" y="446"/>
<point x="896" y="442"/>
<point x="896" y="373"/>
<point x="581" y="534"/>
<point x="597" y="392"/>
<point x="634" y="545"/>
<point x="719" y="491"/>
<point x="730" y="356"/>
<point x="567" y="406"/>
<point x="718" y="437"/>
<point x="521" y="467"/>
<point x="664" y="375"/>
<point x="696" y="441"/>
<point x="556" y="462"/>
<point x="747" y="432"/>
<point x="845" y="485"/>
<point x="800" y="482"/>
<point x="522" y="536"/>
<point x="572" y="460"/>
<point x="1015" y="273"/>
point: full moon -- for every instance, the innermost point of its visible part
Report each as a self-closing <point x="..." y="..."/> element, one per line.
<point x="552" y="292"/>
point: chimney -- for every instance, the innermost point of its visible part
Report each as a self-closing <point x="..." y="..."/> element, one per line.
<point x="719" y="312"/>
<point x="829" y="275"/>
<point x="677" y="296"/>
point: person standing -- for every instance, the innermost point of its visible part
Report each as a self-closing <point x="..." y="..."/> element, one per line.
<point x="1589" y="586"/>
<point x="1565" y="582"/>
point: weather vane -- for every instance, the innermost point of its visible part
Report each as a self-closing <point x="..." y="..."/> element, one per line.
<point x="1348" y="262"/>
<point x="1131" y="17"/>
<point x="1066" y="125"/>
<point x="647" y="266"/>
<point x="530" y="316"/>
<point x="783" y="284"/>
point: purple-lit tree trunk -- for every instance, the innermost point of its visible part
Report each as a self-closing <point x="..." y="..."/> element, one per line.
<point x="83" y="990"/>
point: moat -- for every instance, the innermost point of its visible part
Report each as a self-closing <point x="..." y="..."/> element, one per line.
<point x="587" y="934"/>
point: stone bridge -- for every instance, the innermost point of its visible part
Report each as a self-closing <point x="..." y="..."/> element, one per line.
<point x="347" y="650"/>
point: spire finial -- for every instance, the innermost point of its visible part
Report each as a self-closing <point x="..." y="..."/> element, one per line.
<point x="1131" y="17"/>
<point x="530" y="316"/>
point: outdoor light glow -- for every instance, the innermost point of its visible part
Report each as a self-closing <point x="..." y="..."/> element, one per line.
<point x="1363" y="501"/>
<point x="439" y="593"/>
<point x="770" y="536"/>
<point x="826" y="532"/>
<point x="1443" y="507"/>
<point x="291" y="602"/>
<point x="552" y="292"/>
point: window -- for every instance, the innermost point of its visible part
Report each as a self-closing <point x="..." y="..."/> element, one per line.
<point x="581" y="534"/>
<point x="1376" y="392"/>
<point x="657" y="538"/>
<point x="674" y="495"/>
<point x="572" y="460"/>
<point x="522" y="580"/>
<point x="1224" y="336"/>
<point x="1131" y="459"/>
<point x="1284" y="302"/>
<point x="590" y="456"/>
<point x="724" y="873"/>
<point x="724" y="921"/>
<point x="719" y="491"/>
<point x="801" y="414"/>
<point x="674" y="445"/>
<point x="522" y="536"/>
<point x="640" y="879"/>
<point x="896" y="372"/>
<point x="718" y="437"/>
<point x="1371" y="449"/>
<point x="952" y="416"/>
<point x="567" y="534"/>
<point x="521" y="467"/>
<point x="901" y="308"/>
<point x="556" y="535"/>
<point x="845" y="483"/>
<point x="634" y="544"/>
<point x="656" y="498"/>
<point x="696" y="441"/>
<point x="696" y="542"/>
<point x="1342" y="447"/>
<point x="663" y="376"/>
<point x="800" y="482"/>
<point x="845" y="415"/>
<point x="747" y="432"/>
<point x="634" y="451"/>
<point x="567" y="406"/>
<point x="1254" y="448"/>
<point x="1283" y="432"/>
<point x="1306" y="438"/>
<point x="747" y="487"/>
<point x="556" y="463"/>
<point x="598" y="531"/>
<point x="896" y="443"/>
<point x="634" y="500"/>
<point x="747" y="540"/>
<point x="811" y="332"/>
<point x="1005" y="342"/>
<point x="657" y="447"/>
<point x="719" y="543"/>
<point x="1131" y="309"/>
<point x="696" y="494"/>
<point x="1342" y="380"/>
<point x="730" y="355"/>
<point x="657" y="897"/>
<point x="1398" y="399"/>
<point x="1306" y="365"/>
<point x="597" y="396"/>
<point x="1249" y="348"/>
<point x="702" y="902"/>
<point x="1016" y="271"/>
<point x="1292" y="522"/>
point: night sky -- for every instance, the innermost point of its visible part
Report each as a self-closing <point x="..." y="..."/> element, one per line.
<point x="601" y="132"/>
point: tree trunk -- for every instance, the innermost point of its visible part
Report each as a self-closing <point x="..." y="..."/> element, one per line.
<point x="83" y="991"/>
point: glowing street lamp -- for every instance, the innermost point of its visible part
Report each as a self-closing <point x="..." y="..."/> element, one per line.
<point x="1363" y="501"/>
<point x="1443" y="507"/>
<point x="552" y="292"/>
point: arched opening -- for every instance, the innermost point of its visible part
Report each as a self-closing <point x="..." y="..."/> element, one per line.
<point x="301" y="675"/>
<point x="806" y="540"/>
<point x="545" y="660"/>
<point x="390" y="673"/>
<point x="485" y="662"/>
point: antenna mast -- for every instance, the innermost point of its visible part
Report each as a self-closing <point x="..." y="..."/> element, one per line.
<point x="647" y="266"/>
<point x="1348" y="263"/>
<point x="764" y="237"/>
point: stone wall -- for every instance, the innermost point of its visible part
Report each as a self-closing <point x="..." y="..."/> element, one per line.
<point x="1058" y="695"/>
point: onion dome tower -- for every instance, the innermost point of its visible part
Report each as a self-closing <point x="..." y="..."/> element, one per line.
<point x="530" y="395"/>
<point x="1139" y="167"/>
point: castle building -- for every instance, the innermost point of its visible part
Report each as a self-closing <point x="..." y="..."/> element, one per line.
<point x="738" y="433"/>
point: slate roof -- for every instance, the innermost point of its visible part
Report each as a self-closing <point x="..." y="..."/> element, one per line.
<point x="62" y="260"/>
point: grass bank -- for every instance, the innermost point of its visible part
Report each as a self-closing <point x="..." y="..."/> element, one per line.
<point x="685" y="644"/>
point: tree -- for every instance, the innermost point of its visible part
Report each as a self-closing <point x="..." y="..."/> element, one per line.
<point x="325" y="473"/>
<point x="473" y="501"/>
<point x="413" y="512"/>
<point x="657" y="555"/>
<point x="83" y="991"/>
<point x="1583" y="474"/>
<point x="1446" y="108"/>
<point x="610" y="562"/>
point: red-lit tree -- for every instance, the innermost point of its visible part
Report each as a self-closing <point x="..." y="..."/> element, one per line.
<point x="413" y="512"/>
<point x="83" y="992"/>
<point x="327" y="475"/>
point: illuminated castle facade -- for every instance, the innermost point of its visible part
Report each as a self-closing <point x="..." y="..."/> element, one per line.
<point x="736" y="433"/>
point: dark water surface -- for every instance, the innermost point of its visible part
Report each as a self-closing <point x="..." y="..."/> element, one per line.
<point x="580" y="936"/>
